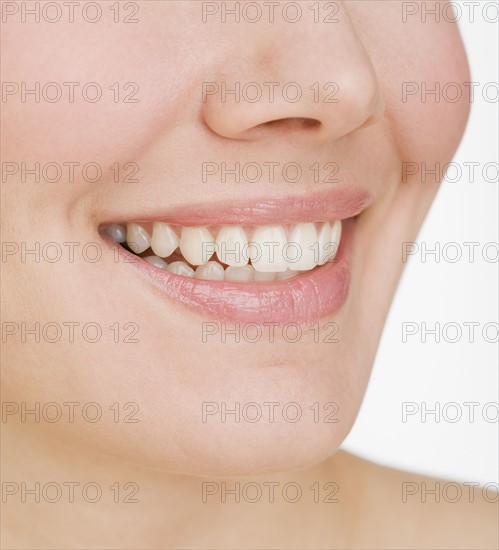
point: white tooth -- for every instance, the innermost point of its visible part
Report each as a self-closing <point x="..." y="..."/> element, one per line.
<point x="334" y="240"/>
<point x="232" y="246"/>
<point x="164" y="240"/>
<point x="196" y="244"/>
<point x="288" y="274"/>
<point x="180" y="268"/>
<point x="137" y="238"/>
<point x="116" y="232"/>
<point x="261" y="276"/>
<point x="270" y="256"/>
<point x="336" y="232"/>
<point x="305" y="237"/>
<point x="212" y="271"/>
<point x="243" y="273"/>
<point x="324" y="237"/>
<point x="158" y="262"/>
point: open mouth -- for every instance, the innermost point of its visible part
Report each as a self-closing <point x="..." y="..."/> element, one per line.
<point x="231" y="253"/>
<point x="233" y="262"/>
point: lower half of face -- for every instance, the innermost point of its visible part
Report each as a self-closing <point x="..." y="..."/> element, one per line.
<point x="210" y="329"/>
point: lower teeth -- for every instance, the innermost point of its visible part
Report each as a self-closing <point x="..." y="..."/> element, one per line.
<point x="214" y="271"/>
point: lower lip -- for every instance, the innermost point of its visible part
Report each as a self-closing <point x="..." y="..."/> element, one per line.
<point x="307" y="297"/>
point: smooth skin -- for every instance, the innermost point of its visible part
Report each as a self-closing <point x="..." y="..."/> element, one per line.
<point x="370" y="52"/>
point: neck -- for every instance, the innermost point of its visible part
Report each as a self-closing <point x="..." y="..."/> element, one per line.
<point x="71" y="496"/>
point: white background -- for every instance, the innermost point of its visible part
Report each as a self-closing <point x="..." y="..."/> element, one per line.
<point x="461" y="292"/>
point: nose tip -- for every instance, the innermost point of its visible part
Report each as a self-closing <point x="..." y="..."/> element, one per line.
<point x="307" y="82"/>
<point x="327" y="111"/>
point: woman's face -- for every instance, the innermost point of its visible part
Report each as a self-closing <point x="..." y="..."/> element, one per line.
<point x="202" y="359"/>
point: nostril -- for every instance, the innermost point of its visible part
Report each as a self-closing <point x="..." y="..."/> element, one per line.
<point x="291" y="124"/>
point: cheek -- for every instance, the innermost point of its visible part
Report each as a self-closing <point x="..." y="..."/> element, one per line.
<point x="143" y="77"/>
<point x="411" y="59"/>
<point x="431" y="99"/>
<point x="102" y="89"/>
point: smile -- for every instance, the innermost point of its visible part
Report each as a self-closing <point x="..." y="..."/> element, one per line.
<point x="295" y="271"/>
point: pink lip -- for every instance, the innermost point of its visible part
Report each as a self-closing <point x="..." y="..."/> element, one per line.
<point x="308" y="297"/>
<point x="334" y="204"/>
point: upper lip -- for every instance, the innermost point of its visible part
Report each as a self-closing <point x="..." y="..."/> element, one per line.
<point x="333" y="204"/>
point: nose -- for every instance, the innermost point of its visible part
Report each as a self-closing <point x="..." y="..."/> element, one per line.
<point x="312" y="81"/>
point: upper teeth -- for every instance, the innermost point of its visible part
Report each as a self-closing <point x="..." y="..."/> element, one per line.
<point x="272" y="249"/>
<point x="229" y="240"/>
<point x="164" y="240"/>
<point x="137" y="238"/>
<point x="196" y="244"/>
